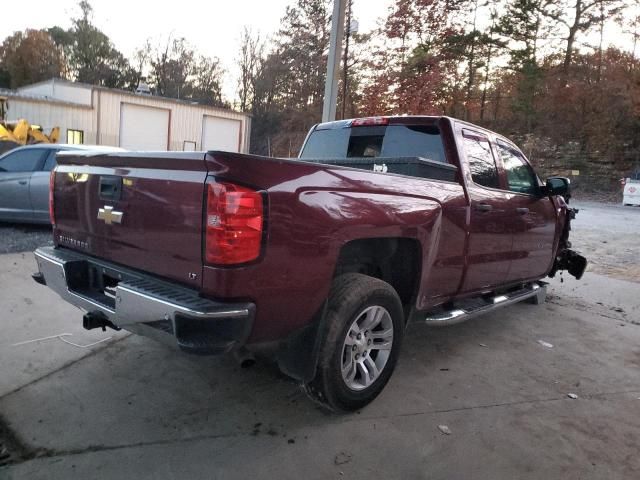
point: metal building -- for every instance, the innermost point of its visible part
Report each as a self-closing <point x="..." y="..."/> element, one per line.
<point x="103" y="116"/>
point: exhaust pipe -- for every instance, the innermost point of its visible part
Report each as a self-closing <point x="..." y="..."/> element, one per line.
<point x="97" y="319"/>
<point x="244" y="357"/>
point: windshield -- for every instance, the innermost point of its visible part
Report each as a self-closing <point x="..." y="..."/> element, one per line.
<point x="375" y="141"/>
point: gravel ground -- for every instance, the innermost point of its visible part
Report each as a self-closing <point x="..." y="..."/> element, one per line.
<point x="609" y="236"/>
<point x="16" y="238"/>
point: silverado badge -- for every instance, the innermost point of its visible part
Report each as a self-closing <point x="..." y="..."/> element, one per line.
<point x="109" y="215"/>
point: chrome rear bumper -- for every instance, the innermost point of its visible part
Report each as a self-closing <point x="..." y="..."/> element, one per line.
<point x="144" y="304"/>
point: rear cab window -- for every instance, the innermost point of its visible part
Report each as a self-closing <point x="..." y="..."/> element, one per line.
<point x="375" y="141"/>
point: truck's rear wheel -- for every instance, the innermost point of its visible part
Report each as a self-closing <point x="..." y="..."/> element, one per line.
<point x="365" y="326"/>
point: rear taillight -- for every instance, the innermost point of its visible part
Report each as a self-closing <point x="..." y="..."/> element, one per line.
<point x="233" y="225"/>
<point x="52" y="184"/>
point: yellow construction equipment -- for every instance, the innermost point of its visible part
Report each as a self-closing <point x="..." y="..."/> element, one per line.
<point x="21" y="132"/>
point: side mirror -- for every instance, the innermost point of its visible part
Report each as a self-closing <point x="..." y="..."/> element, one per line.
<point x="557" y="186"/>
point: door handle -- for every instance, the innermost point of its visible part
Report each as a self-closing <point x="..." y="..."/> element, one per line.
<point x="22" y="182"/>
<point x="484" y="207"/>
<point x="522" y="210"/>
<point x="110" y="188"/>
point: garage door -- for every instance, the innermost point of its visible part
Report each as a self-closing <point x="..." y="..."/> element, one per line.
<point x="220" y="134"/>
<point x="143" y="128"/>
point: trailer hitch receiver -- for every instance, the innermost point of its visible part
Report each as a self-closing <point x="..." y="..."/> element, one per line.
<point x="97" y="319"/>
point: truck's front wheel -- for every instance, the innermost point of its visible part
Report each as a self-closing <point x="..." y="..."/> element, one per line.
<point x="365" y="326"/>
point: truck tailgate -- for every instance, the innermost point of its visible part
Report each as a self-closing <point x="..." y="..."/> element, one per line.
<point x="141" y="211"/>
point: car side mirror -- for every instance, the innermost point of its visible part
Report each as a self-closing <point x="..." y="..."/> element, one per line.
<point x="557" y="186"/>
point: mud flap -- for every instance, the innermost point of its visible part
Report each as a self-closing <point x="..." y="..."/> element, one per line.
<point x="298" y="356"/>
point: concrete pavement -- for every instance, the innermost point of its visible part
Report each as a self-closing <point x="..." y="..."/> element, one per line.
<point x="30" y="312"/>
<point x="131" y="408"/>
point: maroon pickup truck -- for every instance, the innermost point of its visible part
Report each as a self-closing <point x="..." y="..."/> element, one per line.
<point x="321" y="259"/>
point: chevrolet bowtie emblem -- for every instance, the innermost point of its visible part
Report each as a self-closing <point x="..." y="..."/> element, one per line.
<point x="109" y="215"/>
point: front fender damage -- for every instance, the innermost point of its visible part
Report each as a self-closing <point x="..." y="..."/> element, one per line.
<point x="566" y="258"/>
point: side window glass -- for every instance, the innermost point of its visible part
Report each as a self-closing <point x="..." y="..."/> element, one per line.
<point x="50" y="162"/>
<point x="481" y="162"/>
<point x="520" y="176"/>
<point x="22" y="161"/>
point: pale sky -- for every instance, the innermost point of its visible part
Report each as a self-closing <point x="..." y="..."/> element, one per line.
<point x="213" y="27"/>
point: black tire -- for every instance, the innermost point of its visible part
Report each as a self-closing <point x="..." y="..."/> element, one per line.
<point x="350" y="295"/>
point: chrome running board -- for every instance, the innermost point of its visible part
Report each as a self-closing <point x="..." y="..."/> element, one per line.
<point x="465" y="309"/>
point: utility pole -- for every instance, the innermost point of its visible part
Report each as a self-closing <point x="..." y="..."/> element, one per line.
<point x="345" y="59"/>
<point x="333" y="62"/>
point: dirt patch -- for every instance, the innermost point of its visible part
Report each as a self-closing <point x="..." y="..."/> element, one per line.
<point x="11" y="449"/>
<point x="613" y="197"/>
<point x="617" y="257"/>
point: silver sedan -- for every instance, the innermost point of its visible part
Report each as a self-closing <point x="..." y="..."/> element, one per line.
<point x="24" y="181"/>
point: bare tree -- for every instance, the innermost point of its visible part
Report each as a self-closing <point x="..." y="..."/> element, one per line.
<point x="141" y="60"/>
<point x="580" y="16"/>
<point x="177" y="71"/>
<point x="250" y="57"/>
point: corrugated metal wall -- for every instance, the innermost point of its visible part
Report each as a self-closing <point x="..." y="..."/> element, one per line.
<point x="100" y="122"/>
<point x="51" y="114"/>
<point x="185" y="123"/>
<point x="61" y="90"/>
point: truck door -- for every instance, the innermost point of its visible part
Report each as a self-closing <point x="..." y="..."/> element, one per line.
<point x="534" y="223"/>
<point x="490" y="236"/>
